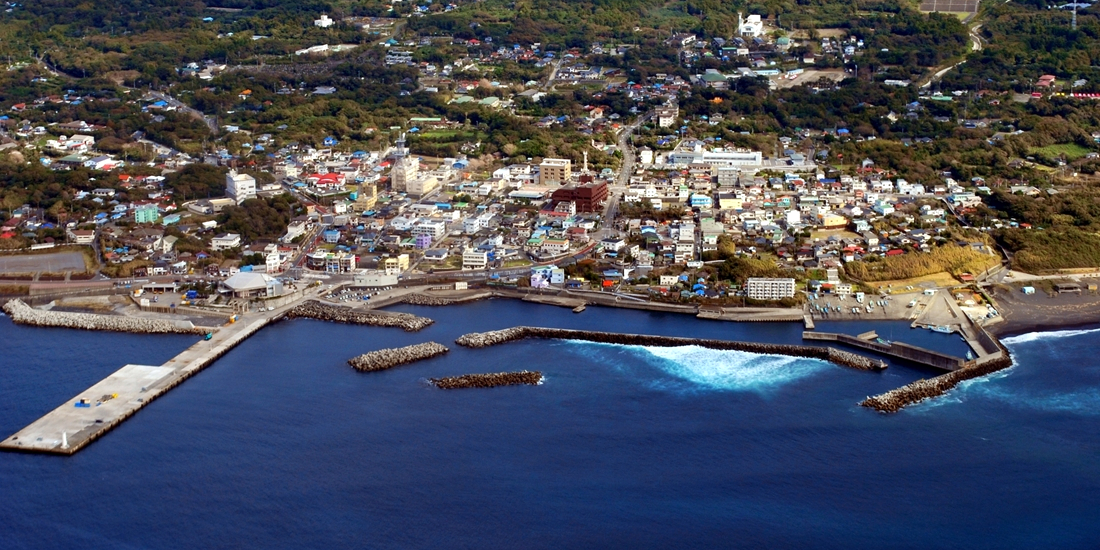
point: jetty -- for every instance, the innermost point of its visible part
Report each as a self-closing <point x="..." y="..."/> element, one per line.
<point x="93" y="412"/>
<point x="833" y="355"/>
<point x="897" y="350"/>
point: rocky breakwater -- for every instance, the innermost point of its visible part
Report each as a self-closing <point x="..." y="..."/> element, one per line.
<point x="417" y="299"/>
<point x="340" y="314"/>
<point x="392" y="357"/>
<point x="489" y="380"/>
<point x="842" y="358"/>
<point x="27" y="315"/>
<point x="894" y="400"/>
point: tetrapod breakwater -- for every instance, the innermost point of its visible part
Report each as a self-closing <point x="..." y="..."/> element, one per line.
<point x="417" y="299"/>
<point x="909" y="394"/>
<point x="489" y="380"/>
<point x="842" y="358"/>
<point x="391" y="357"/>
<point x="340" y="314"/>
<point x="21" y="313"/>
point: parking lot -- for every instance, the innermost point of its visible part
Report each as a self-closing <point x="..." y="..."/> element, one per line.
<point x="46" y="263"/>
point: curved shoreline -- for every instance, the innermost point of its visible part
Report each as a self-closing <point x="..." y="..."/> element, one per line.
<point x="833" y="355"/>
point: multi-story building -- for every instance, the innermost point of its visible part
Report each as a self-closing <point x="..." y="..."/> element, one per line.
<point x="405" y="169"/>
<point x="146" y="213"/>
<point x="555" y="171"/>
<point x="240" y="187"/>
<point x="395" y="265"/>
<point x="475" y="259"/>
<point x="759" y="288"/>
<point x="588" y="197"/>
<point x="421" y="185"/>
<point x="432" y="228"/>
<point x="666" y="116"/>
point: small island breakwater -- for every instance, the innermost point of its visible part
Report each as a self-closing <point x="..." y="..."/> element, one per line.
<point x="489" y="380"/>
<point x="340" y="314"/>
<point x="833" y="355"/>
<point x="909" y="394"/>
<point x="391" y="357"/>
<point x="24" y="314"/>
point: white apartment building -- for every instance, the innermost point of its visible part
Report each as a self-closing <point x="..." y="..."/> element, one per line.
<point x="475" y="259"/>
<point x="431" y="228"/>
<point x="240" y="187"/>
<point x="759" y="288"/>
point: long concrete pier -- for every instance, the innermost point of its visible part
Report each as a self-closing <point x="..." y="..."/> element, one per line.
<point x="70" y="427"/>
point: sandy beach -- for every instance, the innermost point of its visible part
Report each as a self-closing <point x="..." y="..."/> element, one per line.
<point x="1042" y="311"/>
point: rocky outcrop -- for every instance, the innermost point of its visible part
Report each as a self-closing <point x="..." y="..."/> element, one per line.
<point x="909" y="394"/>
<point x="392" y="357"/>
<point x="340" y="314"/>
<point x="27" y="315"/>
<point x="417" y="299"/>
<point x="492" y="338"/>
<point x="489" y="380"/>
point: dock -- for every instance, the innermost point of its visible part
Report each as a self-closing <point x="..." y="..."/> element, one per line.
<point x="109" y="402"/>
<point x="897" y="350"/>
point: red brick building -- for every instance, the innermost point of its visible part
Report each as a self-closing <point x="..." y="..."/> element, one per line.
<point x="588" y="197"/>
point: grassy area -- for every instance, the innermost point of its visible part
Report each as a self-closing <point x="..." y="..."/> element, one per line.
<point x="517" y="263"/>
<point x="1072" y="151"/>
<point x="942" y="278"/>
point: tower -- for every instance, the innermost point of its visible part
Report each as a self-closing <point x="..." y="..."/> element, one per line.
<point x="400" y="150"/>
<point x="586" y="162"/>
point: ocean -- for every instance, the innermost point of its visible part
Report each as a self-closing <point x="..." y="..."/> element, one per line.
<point x="280" y="444"/>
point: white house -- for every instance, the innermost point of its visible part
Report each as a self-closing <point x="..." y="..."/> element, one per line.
<point x="226" y="241"/>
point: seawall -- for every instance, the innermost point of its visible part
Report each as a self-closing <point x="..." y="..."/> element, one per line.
<point x="340" y="314"/>
<point x="391" y="357"/>
<point x="839" y="357"/>
<point x="21" y="313"/>
<point x="489" y="380"/>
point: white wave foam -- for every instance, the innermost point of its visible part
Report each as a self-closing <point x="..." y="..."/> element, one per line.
<point x="732" y="370"/>
<point x="1052" y="335"/>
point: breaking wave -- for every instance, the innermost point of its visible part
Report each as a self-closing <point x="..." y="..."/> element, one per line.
<point x="724" y="370"/>
<point x="1041" y="336"/>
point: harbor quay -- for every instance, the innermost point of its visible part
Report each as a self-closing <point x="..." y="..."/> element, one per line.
<point x="93" y="412"/>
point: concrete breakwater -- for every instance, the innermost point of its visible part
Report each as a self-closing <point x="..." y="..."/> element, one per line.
<point x="489" y="380"/>
<point x="21" y="313"/>
<point x="391" y="357"/>
<point x="842" y="358"/>
<point x="894" y="400"/>
<point x="340" y="314"/>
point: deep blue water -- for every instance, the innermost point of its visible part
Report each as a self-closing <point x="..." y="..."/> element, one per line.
<point x="281" y="445"/>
